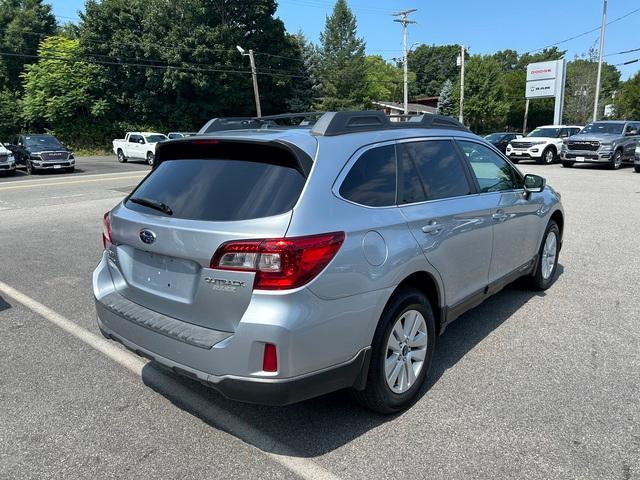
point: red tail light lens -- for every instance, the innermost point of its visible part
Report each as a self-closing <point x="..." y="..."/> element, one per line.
<point x="270" y="358"/>
<point x="280" y="263"/>
<point x="106" y="230"/>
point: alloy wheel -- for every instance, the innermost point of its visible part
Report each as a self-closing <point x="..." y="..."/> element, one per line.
<point x="406" y="351"/>
<point x="549" y="254"/>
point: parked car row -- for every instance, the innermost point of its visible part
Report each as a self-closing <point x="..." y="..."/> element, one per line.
<point x="609" y="142"/>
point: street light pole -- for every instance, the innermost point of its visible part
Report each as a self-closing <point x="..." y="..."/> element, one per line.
<point x="404" y="20"/>
<point x="602" y="31"/>
<point x="254" y="76"/>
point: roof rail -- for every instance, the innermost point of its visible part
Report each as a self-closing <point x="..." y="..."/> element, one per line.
<point x="341" y="123"/>
<point x="229" y="123"/>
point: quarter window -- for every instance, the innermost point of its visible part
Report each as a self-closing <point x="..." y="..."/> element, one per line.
<point x="372" y="179"/>
<point x="431" y="170"/>
<point x="493" y="173"/>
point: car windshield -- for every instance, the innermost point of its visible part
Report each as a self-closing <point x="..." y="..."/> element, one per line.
<point x="494" y="137"/>
<point x="155" y="138"/>
<point x="44" y="141"/>
<point x="602" y="127"/>
<point x="545" y="132"/>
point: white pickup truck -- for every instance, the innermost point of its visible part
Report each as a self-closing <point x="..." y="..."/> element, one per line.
<point x="137" y="146"/>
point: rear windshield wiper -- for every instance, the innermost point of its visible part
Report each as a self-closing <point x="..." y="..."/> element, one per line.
<point x="156" y="205"/>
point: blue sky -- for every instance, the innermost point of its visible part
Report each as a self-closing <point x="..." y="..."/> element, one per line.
<point x="484" y="25"/>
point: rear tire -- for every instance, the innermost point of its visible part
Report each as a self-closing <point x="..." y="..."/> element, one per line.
<point x="547" y="264"/>
<point x="409" y="319"/>
<point x="121" y="157"/>
<point x="567" y="164"/>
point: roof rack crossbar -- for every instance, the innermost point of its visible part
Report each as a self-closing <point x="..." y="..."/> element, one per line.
<point x="340" y="123"/>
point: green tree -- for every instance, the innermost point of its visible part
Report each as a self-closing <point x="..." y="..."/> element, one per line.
<point x="485" y="108"/>
<point x="23" y="23"/>
<point x="445" y="100"/>
<point x="627" y="100"/>
<point x="383" y="81"/>
<point x="179" y="65"/>
<point x="432" y="65"/>
<point x="306" y="90"/>
<point x="63" y="94"/>
<point x="581" y="85"/>
<point x="10" y="120"/>
<point x="342" y="70"/>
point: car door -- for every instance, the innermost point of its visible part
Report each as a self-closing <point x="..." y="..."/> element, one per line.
<point x="631" y="132"/>
<point x="451" y="223"/>
<point x="135" y="147"/>
<point x="515" y="215"/>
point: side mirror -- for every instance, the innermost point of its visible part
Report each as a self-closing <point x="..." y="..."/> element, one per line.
<point x="534" y="183"/>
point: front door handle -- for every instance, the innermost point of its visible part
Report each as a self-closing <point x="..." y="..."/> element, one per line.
<point x="433" y="228"/>
<point x="500" y="216"/>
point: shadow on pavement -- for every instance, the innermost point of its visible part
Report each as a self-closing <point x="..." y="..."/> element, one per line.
<point x="4" y="305"/>
<point x="321" y="425"/>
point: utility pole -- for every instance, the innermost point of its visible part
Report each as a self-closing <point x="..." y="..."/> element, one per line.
<point x="404" y="20"/>
<point x="602" y="30"/>
<point x="254" y="76"/>
<point x="461" y="61"/>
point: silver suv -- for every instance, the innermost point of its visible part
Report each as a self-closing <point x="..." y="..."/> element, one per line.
<point x="279" y="264"/>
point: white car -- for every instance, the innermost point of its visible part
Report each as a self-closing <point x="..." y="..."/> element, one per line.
<point x="7" y="161"/>
<point x="542" y="145"/>
<point x="636" y="161"/>
<point x="138" y="146"/>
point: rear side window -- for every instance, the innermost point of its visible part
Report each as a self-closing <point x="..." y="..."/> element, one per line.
<point x="431" y="170"/>
<point x="372" y="179"/>
<point x="220" y="189"/>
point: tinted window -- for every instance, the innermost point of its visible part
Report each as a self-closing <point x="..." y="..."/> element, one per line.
<point x="431" y="170"/>
<point x="494" y="174"/>
<point x="372" y="179"/>
<point x="134" y="138"/>
<point x="220" y="190"/>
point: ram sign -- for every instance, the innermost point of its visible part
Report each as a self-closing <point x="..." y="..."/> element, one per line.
<point x="546" y="80"/>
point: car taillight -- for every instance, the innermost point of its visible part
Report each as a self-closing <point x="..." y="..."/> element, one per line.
<point x="279" y="263"/>
<point x="106" y="230"/>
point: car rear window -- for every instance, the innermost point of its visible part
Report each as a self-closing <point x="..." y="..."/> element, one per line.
<point x="220" y="189"/>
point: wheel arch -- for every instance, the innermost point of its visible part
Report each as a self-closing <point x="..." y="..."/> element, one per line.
<point x="427" y="284"/>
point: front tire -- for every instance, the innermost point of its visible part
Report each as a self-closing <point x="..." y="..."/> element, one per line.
<point x="150" y="158"/>
<point x="515" y="161"/>
<point x="401" y="354"/>
<point x="637" y="168"/>
<point x="567" y="164"/>
<point x="70" y="169"/>
<point x="616" y="161"/>
<point x="30" y="169"/>
<point x="548" y="156"/>
<point x="547" y="265"/>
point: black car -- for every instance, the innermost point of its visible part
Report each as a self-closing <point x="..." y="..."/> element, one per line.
<point x="41" y="152"/>
<point x="501" y="140"/>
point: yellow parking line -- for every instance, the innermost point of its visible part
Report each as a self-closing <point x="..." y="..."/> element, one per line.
<point x="71" y="182"/>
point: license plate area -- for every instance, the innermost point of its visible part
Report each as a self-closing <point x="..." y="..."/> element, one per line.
<point x="164" y="275"/>
<point x="579" y="159"/>
<point x="57" y="166"/>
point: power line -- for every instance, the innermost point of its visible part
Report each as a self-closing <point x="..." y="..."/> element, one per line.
<point x="583" y="34"/>
<point x="623" y="52"/>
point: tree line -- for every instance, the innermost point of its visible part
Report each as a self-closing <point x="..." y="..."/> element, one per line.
<point x="158" y="65"/>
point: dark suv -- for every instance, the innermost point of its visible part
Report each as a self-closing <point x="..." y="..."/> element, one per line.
<point x="607" y="142"/>
<point x="41" y="152"/>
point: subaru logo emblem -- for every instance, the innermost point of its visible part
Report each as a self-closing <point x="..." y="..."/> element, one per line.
<point x="147" y="236"/>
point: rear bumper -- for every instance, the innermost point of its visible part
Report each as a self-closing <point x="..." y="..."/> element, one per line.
<point x="266" y="391"/>
<point x="316" y="353"/>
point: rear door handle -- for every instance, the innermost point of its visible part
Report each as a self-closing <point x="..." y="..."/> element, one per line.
<point x="433" y="228"/>
<point x="500" y="216"/>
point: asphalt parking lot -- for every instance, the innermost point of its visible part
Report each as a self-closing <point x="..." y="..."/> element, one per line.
<point x="527" y="385"/>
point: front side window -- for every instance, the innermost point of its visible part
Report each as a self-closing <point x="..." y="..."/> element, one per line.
<point x="493" y="172"/>
<point x="431" y="170"/>
<point x="134" y="138"/>
<point x="372" y="179"/>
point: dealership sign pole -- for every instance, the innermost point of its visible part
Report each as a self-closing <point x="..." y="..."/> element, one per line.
<point x="547" y="80"/>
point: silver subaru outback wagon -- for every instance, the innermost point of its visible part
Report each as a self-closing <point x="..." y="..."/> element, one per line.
<point x="279" y="264"/>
